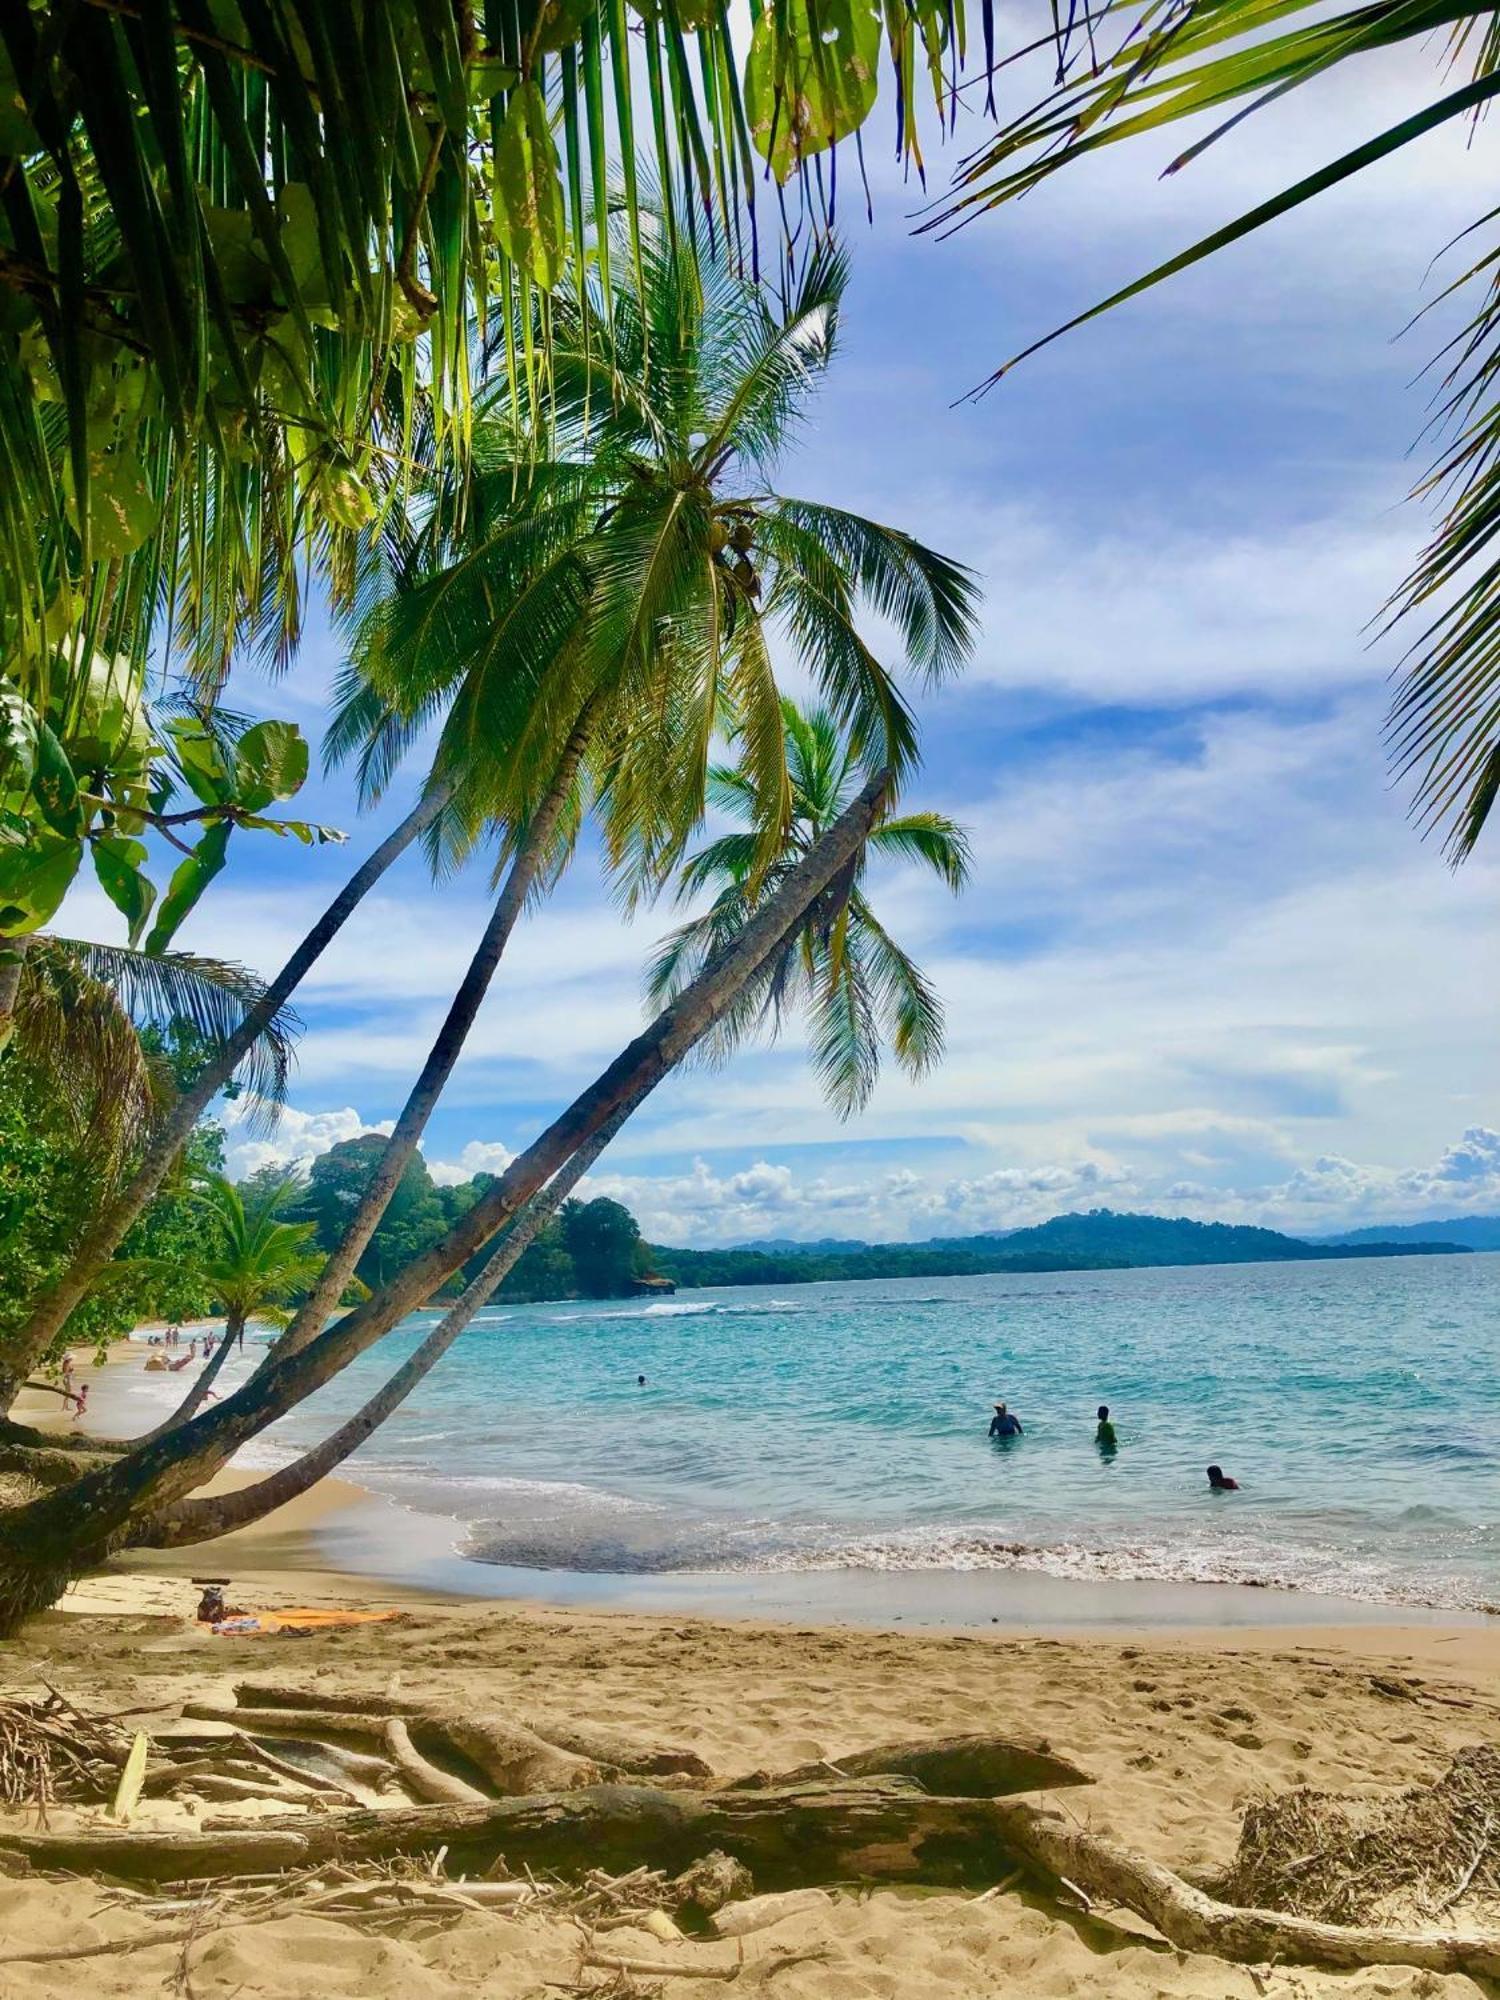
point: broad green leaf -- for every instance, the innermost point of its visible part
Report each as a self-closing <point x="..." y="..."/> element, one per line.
<point x="109" y="727"/>
<point x="119" y="864"/>
<point x="54" y="786"/>
<point x="811" y="77"/>
<point x="529" y="215"/>
<point x="35" y="875"/>
<point x="18" y="733"/>
<point x="561" y="23"/>
<point x="272" y="759"/>
<point x="189" y="880"/>
<point x="200" y="761"/>
<point x="122" y="508"/>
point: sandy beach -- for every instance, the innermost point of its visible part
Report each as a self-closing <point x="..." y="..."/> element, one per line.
<point x="1180" y="1728"/>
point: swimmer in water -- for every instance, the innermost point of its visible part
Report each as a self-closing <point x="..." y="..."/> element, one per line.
<point x="1104" y="1436"/>
<point x="1005" y="1423"/>
<point x="1220" y="1482"/>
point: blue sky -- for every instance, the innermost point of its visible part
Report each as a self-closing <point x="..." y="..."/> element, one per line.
<point x="1204" y="964"/>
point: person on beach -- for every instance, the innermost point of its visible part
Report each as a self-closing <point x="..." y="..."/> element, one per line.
<point x="1005" y="1423"/>
<point x="1104" y="1436"/>
<point x="80" y="1401"/>
<point x="1219" y="1481"/>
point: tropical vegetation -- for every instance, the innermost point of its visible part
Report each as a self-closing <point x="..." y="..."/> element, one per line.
<point x="582" y="617"/>
<point x="1133" y="68"/>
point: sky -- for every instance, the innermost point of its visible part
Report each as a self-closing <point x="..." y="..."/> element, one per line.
<point x="1205" y="965"/>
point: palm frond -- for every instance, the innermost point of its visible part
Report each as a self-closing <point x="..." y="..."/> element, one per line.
<point x="1233" y="57"/>
<point x="931" y="838"/>
<point x="210" y="996"/>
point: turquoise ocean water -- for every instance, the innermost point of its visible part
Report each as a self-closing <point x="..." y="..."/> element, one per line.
<point x="844" y="1427"/>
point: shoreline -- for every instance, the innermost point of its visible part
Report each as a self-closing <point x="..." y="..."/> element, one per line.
<point x="344" y="1540"/>
<point x="1179" y="1729"/>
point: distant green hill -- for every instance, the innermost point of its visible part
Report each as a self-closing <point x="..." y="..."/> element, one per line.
<point x="1469" y="1232"/>
<point x="1100" y="1240"/>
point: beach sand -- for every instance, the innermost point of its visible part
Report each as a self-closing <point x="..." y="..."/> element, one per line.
<point x="1180" y="1728"/>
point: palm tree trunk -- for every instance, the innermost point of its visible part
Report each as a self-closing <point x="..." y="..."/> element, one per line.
<point x="12" y="961"/>
<point x="203" y="1381"/>
<point x="103" y="1236"/>
<point x="532" y="850"/>
<point x="50" y="1539"/>
<point x="202" y="1520"/>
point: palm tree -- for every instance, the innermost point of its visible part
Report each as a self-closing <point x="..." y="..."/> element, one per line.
<point x="596" y="615"/>
<point x="837" y="962"/>
<point x="82" y="1025"/>
<point x="1221" y="61"/>
<point x="258" y="1265"/>
<point x="242" y="257"/>
<point x="46" y="1541"/>
<point x="858" y="987"/>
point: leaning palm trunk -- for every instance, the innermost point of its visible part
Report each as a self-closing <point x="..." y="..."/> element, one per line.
<point x="531" y="852"/>
<point x="203" y="1381"/>
<point x="47" y="1541"/>
<point x="12" y="960"/>
<point x="105" y="1233"/>
<point x="203" y="1520"/>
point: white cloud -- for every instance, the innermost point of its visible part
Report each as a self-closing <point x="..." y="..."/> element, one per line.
<point x="1327" y="1193"/>
<point x="480" y="1156"/>
<point x="1159" y="612"/>
<point x="298" y="1137"/>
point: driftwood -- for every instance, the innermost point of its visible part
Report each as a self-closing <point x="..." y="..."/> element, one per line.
<point x="425" y="1779"/>
<point x="602" y="1752"/>
<point x="758" y="1913"/>
<point x="1112" y="1874"/>
<point x="960" y="1767"/>
<point x="288" y="1721"/>
<point x="867" y="1829"/>
<point x="514" y="1758"/>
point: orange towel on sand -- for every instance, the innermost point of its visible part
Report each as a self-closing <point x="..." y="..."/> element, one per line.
<point x="252" y="1623"/>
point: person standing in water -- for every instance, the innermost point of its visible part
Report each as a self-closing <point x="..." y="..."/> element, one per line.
<point x="1220" y="1482"/>
<point x="1005" y="1424"/>
<point x="1105" y="1436"/>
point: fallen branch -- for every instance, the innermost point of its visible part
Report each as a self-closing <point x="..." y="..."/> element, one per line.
<point x="595" y="1746"/>
<point x="871" y="1829"/>
<point x="959" y="1767"/>
<point x="514" y="1758"/>
<point x="425" y="1779"/>
<point x="1112" y="1874"/>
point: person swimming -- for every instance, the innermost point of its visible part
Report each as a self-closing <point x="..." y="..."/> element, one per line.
<point x="1220" y="1482"/>
<point x="1105" y="1436"/>
<point x="1005" y="1423"/>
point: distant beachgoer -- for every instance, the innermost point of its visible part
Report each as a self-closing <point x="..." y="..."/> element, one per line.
<point x="157" y="1364"/>
<point x="80" y="1402"/>
<point x="174" y="1334"/>
<point x="1104" y="1436"/>
<point x="1219" y="1482"/>
<point x="640" y="1381"/>
<point x="1005" y="1423"/>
